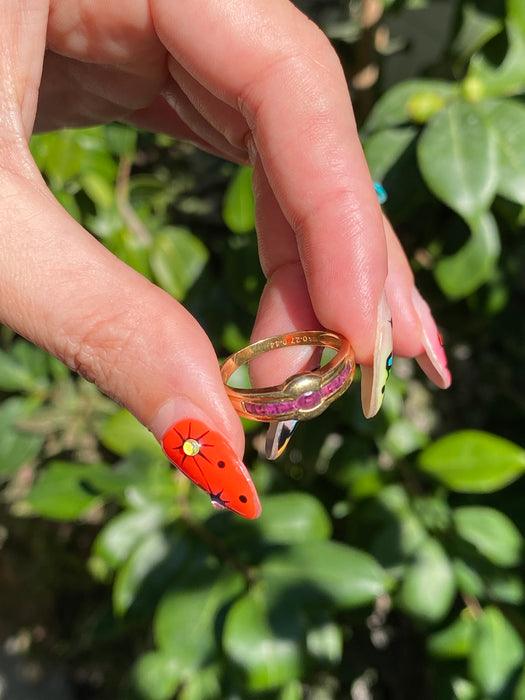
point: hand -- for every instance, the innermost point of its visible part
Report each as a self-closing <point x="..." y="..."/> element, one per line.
<point x="254" y="82"/>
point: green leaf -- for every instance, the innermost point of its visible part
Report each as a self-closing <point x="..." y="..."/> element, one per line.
<point x="433" y="510"/>
<point x="507" y="78"/>
<point x="265" y="644"/>
<point x="130" y="250"/>
<point x="147" y="188"/>
<point x="15" y="409"/>
<point x="324" y="642"/>
<point x="17" y="448"/>
<point x="454" y="641"/>
<point x="138" y="480"/>
<point x="69" y="201"/>
<point x="203" y="685"/>
<point x="292" y="691"/>
<point x="458" y="158"/>
<point x="120" y="139"/>
<point x="505" y="587"/>
<point x="428" y="587"/>
<point x="99" y="189"/>
<point x="124" y="531"/>
<point x="290" y="518"/>
<point x="473" y="461"/>
<point x="242" y="275"/>
<point x="16" y="376"/>
<point x="519" y="689"/>
<point x="33" y="358"/>
<point x="497" y="651"/>
<point x="468" y="579"/>
<point x="177" y="259"/>
<point x="384" y="148"/>
<point x="403" y="437"/>
<point x="474" y="264"/>
<point x="491" y="532"/>
<point x="184" y="623"/>
<point x="148" y="570"/>
<point x="402" y="532"/>
<point x="516" y="14"/>
<point x="122" y="433"/>
<point x="63" y="491"/>
<point x="392" y="157"/>
<point x="507" y="118"/>
<point x="238" y="209"/>
<point x="462" y="689"/>
<point x="477" y="27"/>
<point x="156" y="676"/>
<point x="59" y="155"/>
<point x="63" y="156"/>
<point x="347" y="576"/>
<point x="393" y="107"/>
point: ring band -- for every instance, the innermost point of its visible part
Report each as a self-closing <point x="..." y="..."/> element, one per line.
<point x="302" y="396"/>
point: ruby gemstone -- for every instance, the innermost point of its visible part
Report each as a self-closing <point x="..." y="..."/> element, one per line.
<point x="309" y="400"/>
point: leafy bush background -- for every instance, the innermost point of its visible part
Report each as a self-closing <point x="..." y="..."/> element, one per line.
<point x="388" y="562"/>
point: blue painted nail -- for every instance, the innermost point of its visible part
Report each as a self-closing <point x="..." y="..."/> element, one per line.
<point x="381" y="192"/>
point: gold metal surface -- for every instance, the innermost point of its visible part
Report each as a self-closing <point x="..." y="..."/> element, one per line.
<point x="302" y="396"/>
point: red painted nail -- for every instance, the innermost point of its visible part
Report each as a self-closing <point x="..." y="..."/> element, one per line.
<point x="206" y="458"/>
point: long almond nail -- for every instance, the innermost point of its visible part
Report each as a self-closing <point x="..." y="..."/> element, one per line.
<point x="373" y="379"/>
<point x="277" y="437"/>
<point x="206" y="458"/>
<point x="433" y="361"/>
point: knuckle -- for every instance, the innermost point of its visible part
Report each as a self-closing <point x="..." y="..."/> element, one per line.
<point x="96" y="353"/>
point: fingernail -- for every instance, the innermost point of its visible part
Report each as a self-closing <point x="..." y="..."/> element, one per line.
<point x="277" y="437"/>
<point x="381" y="192"/>
<point x="433" y="361"/>
<point x="373" y="379"/>
<point x="206" y="458"/>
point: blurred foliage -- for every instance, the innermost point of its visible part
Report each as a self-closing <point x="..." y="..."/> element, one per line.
<point x="389" y="558"/>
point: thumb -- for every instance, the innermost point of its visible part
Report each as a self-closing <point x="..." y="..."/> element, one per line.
<point x="66" y="292"/>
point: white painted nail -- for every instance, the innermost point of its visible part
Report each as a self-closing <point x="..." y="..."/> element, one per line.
<point x="374" y="378"/>
<point x="277" y="437"/>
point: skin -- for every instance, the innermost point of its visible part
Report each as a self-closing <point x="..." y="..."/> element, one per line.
<point x="267" y="90"/>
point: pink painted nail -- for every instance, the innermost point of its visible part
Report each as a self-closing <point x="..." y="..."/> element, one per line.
<point x="433" y="361"/>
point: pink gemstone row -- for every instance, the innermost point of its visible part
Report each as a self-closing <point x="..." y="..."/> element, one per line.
<point x="308" y="400"/>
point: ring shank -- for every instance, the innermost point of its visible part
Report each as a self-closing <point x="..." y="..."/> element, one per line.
<point x="302" y="396"/>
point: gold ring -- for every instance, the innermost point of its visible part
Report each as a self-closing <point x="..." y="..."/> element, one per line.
<point x="302" y="396"/>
